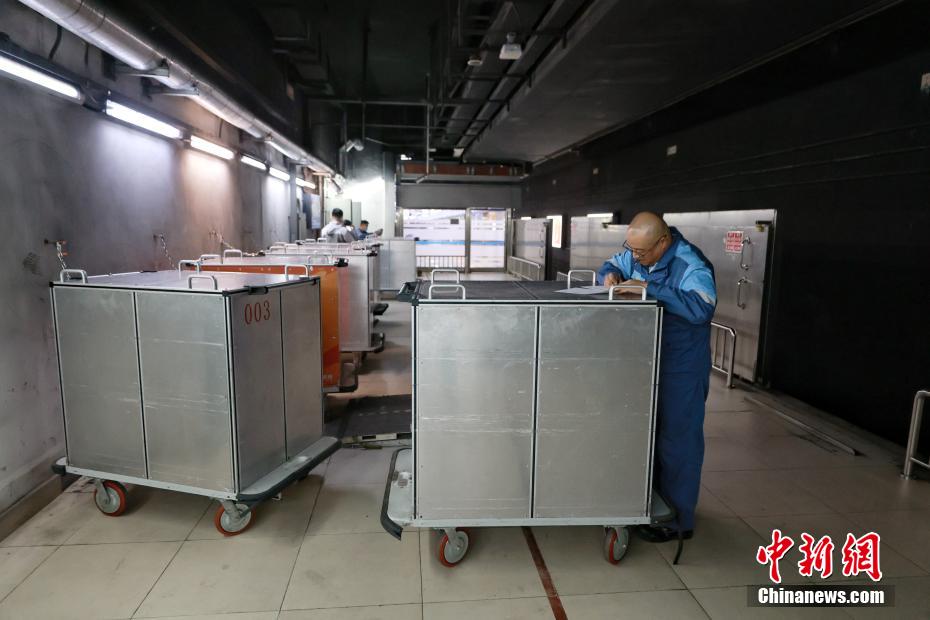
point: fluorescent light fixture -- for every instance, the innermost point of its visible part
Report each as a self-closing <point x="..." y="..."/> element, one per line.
<point x="213" y="149"/>
<point x="405" y="157"/>
<point x="39" y="78"/>
<point x="511" y="50"/>
<point x="307" y="184"/>
<point x="556" y="230"/>
<point x="526" y="217"/>
<point x="144" y="121"/>
<point x="600" y="215"/>
<point x="279" y="174"/>
<point x="251" y="161"/>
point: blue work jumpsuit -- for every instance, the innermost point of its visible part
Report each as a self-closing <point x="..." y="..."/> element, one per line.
<point x="683" y="283"/>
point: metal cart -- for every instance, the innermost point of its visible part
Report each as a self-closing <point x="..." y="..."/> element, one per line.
<point x="531" y="407"/>
<point x="331" y="271"/>
<point x="357" y="294"/>
<point x="204" y="384"/>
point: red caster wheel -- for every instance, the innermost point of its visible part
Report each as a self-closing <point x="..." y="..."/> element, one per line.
<point x="452" y="551"/>
<point x="229" y="524"/>
<point x="112" y="500"/>
<point x="616" y="542"/>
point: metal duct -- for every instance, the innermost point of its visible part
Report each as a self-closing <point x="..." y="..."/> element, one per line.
<point x="92" y="24"/>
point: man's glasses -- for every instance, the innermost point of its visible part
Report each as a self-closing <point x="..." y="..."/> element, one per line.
<point x="637" y="252"/>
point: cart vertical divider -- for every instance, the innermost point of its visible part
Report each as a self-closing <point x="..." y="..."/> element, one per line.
<point x="233" y="422"/>
<point x="145" y="446"/>
<point x="538" y="333"/>
<point x="284" y="366"/>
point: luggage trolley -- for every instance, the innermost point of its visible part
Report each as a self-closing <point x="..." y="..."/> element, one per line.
<point x="203" y="384"/>
<point x="531" y="407"/>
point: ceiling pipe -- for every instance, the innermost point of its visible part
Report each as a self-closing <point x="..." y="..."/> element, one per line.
<point x="90" y="22"/>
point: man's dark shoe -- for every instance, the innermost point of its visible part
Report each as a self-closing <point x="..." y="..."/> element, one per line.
<point x="660" y="534"/>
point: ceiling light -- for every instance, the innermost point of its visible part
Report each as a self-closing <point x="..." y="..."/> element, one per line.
<point x="475" y="60"/>
<point x="526" y="217"/>
<point x="33" y="76"/>
<point x="279" y="174"/>
<point x="144" y="121"/>
<point x="511" y="50"/>
<point x="600" y="215"/>
<point x="307" y="184"/>
<point x="251" y="161"/>
<point x="405" y="157"/>
<point x="213" y="149"/>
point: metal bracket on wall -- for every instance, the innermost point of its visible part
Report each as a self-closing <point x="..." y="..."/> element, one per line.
<point x="150" y="88"/>
<point x="121" y="68"/>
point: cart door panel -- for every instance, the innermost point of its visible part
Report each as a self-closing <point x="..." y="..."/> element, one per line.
<point x="303" y="403"/>
<point x="474" y="410"/>
<point x="100" y="379"/>
<point x="595" y="411"/>
<point x="258" y="369"/>
<point x="185" y="387"/>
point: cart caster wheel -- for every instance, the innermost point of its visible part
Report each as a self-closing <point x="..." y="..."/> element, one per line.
<point x="229" y="525"/>
<point x="451" y="552"/>
<point x="113" y="502"/>
<point x="616" y="543"/>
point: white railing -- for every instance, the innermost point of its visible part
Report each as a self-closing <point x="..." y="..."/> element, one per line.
<point x="917" y="414"/>
<point x="526" y="269"/>
<point x="722" y="356"/>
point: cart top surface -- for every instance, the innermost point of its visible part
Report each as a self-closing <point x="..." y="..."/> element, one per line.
<point x="274" y="259"/>
<point x="514" y="291"/>
<point x="180" y="281"/>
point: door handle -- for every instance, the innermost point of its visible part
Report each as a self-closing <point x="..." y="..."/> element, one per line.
<point x="739" y="290"/>
<point x="742" y="254"/>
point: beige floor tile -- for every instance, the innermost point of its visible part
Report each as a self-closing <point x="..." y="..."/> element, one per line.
<point x="575" y="559"/>
<point x="726" y="454"/>
<point x="348" y="510"/>
<point x="722" y="553"/>
<point x="338" y="570"/>
<point x="756" y="493"/>
<point x="836" y="526"/>
<point x="222" y="576"/>
<point x="498" y="565"/>
<point x="380" y="612"/>
<point x="791" y="452"/>
<point x="284" y="518"/>
<point x="153" y="515"/>
<point x="709" y="505"/>
<point x="16" y="563"/>
<point x="732" y="604"/>
<point x="678" y="604"/>
<point x="500" y="609"/>
<point x="750" y="427"/>
<point x="56" y="523"/>
<point x="912" y="601"/>
<point x="89" y="581"/>
<point x="860" y="489"/>
<point x="359" y="467"/>
<point x="907" y="532"/>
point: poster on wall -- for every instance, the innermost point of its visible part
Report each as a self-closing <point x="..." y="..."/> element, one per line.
<point x="314" y="210"/>
<point x="439" y="232"/>
<point x="488" y="238"/>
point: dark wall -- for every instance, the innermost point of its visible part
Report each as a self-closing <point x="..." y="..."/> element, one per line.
<point x="836" y="138"/>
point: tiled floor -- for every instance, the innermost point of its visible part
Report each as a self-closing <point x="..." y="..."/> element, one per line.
<point x="320" y="554"/>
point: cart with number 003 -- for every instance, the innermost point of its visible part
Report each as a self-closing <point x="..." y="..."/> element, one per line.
<point x="202" y="384"/>
<point x="532" y="406"/>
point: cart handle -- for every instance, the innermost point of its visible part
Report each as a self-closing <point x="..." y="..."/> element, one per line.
<point x="206" y="257"/>
<point x="197" y="263"/>
<point x="432" y="274"/>
<point x="66" y="274"/>
<point x="287" y="273"/>
<point x="190" y="280"/>
<point x="330" y="258"/>
<point x="450" y="286"/>
<point x="291" y="246"/>
<point x="593" y="275"/>
<point x="227" y="253"/>
<point x="277" y="244"/>
<point x="610" y="295"/>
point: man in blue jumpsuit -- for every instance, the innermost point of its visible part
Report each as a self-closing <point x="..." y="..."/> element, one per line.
<point x="681" y="278"/>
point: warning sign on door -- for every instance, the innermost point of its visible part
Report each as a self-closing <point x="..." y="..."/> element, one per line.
<point x="733" y="243"/>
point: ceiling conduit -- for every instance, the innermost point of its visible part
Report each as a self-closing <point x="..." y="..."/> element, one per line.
<point x="92" y="24"/>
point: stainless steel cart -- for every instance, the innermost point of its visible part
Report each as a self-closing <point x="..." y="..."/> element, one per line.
<point x="204" y="384"/>
<point x="531" y="407"/>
